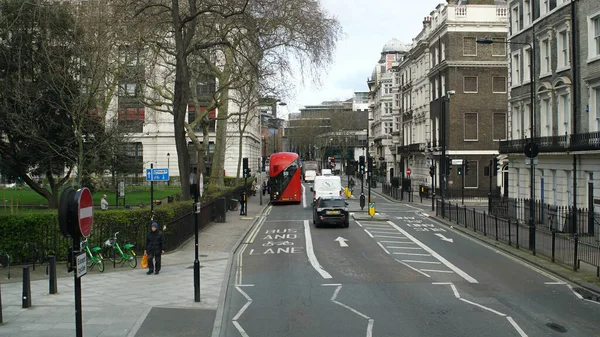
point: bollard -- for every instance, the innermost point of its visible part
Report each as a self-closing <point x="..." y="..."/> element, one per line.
<point x="0" y="304"/>
<point x="52" y="279"/>
<point x="26" y="288"/>
<point x="509" y="234"/>
<point x="575" y="259"/>
<point x="553" y="243"/>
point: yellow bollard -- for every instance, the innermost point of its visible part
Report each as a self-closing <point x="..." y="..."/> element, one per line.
<point x="372" y="209"/>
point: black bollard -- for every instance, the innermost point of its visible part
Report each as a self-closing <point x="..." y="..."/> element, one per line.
<point x="0" y="305"/>
<point x="52" y="264"/>
<point x="26" y="288"/>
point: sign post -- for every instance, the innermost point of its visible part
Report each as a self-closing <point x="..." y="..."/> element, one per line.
<point x="408" y="172"/>
<point x="152" y="175"/>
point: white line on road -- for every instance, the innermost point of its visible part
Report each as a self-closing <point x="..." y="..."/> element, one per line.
<point x="370" y="321"/>
<point x="382" y="247"/>
<point x="304" y="199"/>
<point x="331" y="284"/>
<point x="413" y="268"/>
<point x="371" y="235"/>
<point x="419" y="261"/>
<point x="396" y="247"/>
<point x="574" y="292"/>
<point x="441" y="283"/>
<point x="397" y="241"/>
<point x="510" y="320"/>
<point x="436" y="255"/>
<point x="516" y="326"/>
<point x="310" y="253"/>
<point x="554" y="283"/>
<point x="437" y="271"/>
<point x="241" y="311"/>
<point x="411" y="254"/>
<point x="388" y="236"/>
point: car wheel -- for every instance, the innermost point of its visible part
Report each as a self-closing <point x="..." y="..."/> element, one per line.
<point x="317" y="223"/>
<point x="347" y="223"/>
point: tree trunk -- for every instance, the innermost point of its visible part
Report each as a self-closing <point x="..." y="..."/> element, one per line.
<point x="218" y="162"/>
<point x="180" y="103"/>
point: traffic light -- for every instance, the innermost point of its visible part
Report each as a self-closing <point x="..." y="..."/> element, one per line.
<point x="459" y="170"/>
<point x="431" y="171"/>
<point x="496" y="166"/>
<point x="448" y="166"/>
<point x="466" y="167"/>
<point x="370" y="164"/>
<point x="361" y="164"/>
<point x="245" y="167"/>
<point x="248" y="173"/>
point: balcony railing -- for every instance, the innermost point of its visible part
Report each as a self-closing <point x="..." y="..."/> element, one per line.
<point x="579" y="142"/>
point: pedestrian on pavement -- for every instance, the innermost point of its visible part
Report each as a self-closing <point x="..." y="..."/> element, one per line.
<point x="264" y="187"/>
<point x="243" y="200"/>
<point x="104" y="203"/>
<point x="155" y="242"/>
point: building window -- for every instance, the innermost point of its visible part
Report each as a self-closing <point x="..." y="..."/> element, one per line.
<point x="515" y="17"/>
<point x="128" y="89"/>
<point x="499" y="126"/>
<point x="546" y="117"/>
<point x="545" y="60"/>
<point x="131" y="119"/>
<point x="595" y="109"/>
<point x="499" y="84"/>
<point x="211" y="116"/>
<point x="471" y="126"/>
<point x="443" y="51"/>
<point x="544" y="7"/>
<point x="499" y="46"/>
<point x="387" y="108"/>
<point x="469" y="46"/>
<point x="206" y="87"/>
<point x="470" y="84"/>
<point x="526" y="65"/>
<point x="130" y="158"/>
<point x="516" y="122"/>
<point x="564" y="114"/>
<point x="593" y="22"/>
<point x="515" y="67"/>
<point x="387" y="88"/>
<point x="562" y="48"/>
<point x="527" y="13"/>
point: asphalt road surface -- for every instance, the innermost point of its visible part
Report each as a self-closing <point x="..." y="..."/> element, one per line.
<point x="408" y="276"/>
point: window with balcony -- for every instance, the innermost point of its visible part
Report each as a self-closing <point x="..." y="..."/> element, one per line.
<point x="516" y="121"/>
<point x="564" y="113"/>
<point x="470" y="84"/>
<point x="562" y="49"/>
<point x="546" y="117"/>
<point x="526" y="121"/>
<point x="526" y="65"/>
<point x="469" y="46"/>
<point x="515" y="67"/>
<point x="499" y="126"/>
<point x="545" y="57"/>
<point x="471" y="126"/>
<point x="527" y="13"/>
<point x="593" y="24"/>
<point x="499" y="84"/>
<point x="514" y="19"/>
<point x="499" y="46"/>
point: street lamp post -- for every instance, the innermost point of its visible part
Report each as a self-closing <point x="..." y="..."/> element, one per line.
<point x="260" y="174"/>
<point x="531" y="150"/>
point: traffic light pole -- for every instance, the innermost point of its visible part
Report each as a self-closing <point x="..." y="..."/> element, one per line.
<point x="443" y="161"/>
<point x="433" y="187"/>
<point x="462" y="188"/>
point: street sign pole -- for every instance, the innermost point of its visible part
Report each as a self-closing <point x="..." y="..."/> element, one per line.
<point x="462" y="190"/>
<point x="197" y="193"/>
<point x="152" y="190"/>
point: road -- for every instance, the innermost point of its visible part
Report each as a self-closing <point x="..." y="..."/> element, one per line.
<point x="407" y="276"/>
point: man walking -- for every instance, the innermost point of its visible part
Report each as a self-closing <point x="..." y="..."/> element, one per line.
<point x="155" y="242"/>
<point x="243" y="200"/>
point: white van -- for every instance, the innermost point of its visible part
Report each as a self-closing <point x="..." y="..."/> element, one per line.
<point x="326" y="172"/>
<point x="310" y="175"/>
<point x="326" y="185"/>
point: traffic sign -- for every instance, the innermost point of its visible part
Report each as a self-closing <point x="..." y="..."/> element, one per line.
<point x="85" y="211"/>
<point x="408" y="171"/>
<point x="457" y="161"/>
<point x="81" y="267"/>
<point x="531" y="150"/>
<point x="157" y="174"/>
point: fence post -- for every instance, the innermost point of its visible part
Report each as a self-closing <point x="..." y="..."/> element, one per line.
<point x="26" y="288"/>
<point x="575" y="259"/>
<point x="0" y="305"/>
<point x="509" y="234"/>
<point x="553" y="243"/>
<point x="465" y="210"/>
<point x="484" y="223"/>
<point x="517" y="226"/>
<point x="449" y="211"/>
<point x="496" y="222"/>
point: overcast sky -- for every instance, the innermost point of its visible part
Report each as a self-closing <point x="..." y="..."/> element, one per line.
<point x="367" y="26"/>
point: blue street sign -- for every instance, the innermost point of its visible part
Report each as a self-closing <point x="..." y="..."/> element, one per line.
<point x="157" y="174"/>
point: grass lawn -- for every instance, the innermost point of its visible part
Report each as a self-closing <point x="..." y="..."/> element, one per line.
<point x="134" y="195"/>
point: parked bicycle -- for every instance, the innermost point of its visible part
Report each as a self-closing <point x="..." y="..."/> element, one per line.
<point x="114" y="252"/>
<point x="5" y="260"/>
<point x="94" y="256"/>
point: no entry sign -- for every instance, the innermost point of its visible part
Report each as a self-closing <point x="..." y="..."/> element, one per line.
<point x="85" y="211"/>
<point x="408" y="171"/>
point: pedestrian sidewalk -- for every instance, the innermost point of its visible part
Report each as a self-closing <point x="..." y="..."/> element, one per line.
<point x="127" y="302"/>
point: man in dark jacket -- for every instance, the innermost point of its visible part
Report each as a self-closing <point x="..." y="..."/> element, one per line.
<point x="155" y="242"/>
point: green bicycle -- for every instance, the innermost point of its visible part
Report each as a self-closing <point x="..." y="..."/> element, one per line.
<point x="115" y="253"/>
<point x="94" y="256"/>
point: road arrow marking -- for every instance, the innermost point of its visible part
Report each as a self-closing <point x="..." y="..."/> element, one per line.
<point x="445" y="238"/>
<point x="342" y="241"/>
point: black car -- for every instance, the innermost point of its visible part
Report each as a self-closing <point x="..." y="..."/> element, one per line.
<point x="331" y="210"/>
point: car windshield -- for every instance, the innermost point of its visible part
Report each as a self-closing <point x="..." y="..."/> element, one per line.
<point x="332" y="203"/>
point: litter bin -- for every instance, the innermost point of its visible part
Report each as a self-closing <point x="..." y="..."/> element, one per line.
<point x="220" y="209"/>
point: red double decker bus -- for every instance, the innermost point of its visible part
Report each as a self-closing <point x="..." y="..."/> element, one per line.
<point x="284" y="177"/>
